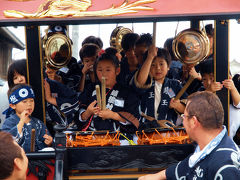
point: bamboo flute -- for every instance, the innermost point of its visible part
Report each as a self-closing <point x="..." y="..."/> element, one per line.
<point x="103" y="93"/>
<point x="98" y="94"/>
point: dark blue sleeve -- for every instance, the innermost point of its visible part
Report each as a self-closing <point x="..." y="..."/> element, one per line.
<point x="178" y="171"/>
<point x="140" y="89"/>
<point x="67" y="100"/>
<point x="10" y="125"/>
<point x="86" y="97"/>
<point x="170" y="172"/>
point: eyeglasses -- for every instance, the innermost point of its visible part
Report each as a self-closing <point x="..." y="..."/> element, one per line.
<point x="185" y="116"/>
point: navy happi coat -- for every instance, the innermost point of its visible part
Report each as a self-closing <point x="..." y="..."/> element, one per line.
<point x="67" y="103"/>
<point x="24" y="140"/>
<point x="170" y="89"/>
<point x="119" y="99"/>
<point x="222" y="163"/>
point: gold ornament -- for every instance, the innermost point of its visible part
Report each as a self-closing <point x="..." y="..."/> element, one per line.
<point x="78" y="8"/>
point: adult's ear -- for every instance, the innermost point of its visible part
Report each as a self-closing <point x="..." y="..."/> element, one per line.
<point x="18" y="163"/>
<point x="195" y="122"/>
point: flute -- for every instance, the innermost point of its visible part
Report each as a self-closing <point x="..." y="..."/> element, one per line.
<point x="103" y="93"/>
<point x="32" y="149"/>
<point x="98" y="94"/>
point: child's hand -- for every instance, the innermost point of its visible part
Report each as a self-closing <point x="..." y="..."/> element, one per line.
<point x="177" y="105"/>
<point x="24" y="116"/>
<point x="152" y="52"/>
<point x="174" y="103"/>
<point x="92" y="109"/>
<point x="228" y="83"/>
<point x="24" y="119"/>
<point x="215" y="86"/>
<point x="48" y="95"/>
<point x="87" y="67"/>
<point x="48" y="139"/>
<point x="194" y="74"/>
<point x="47" y="89"/>
<point x="51" y="73"/>
<point x="106" y="114"/>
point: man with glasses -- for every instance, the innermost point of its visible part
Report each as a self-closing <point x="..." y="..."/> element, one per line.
<point x="216" y="155"/>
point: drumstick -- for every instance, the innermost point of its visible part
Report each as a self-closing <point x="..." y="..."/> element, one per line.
<point x="32" y="141"/>
<point x="98" y="94"/>
<point x="154" y="32"/>
<point x="147" y="117"/>
<point x="103" y="93"/>
<point x="180" y="93"/>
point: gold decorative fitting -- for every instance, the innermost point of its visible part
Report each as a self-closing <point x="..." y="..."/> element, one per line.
<point x="78" y="8"/>
<point x="117" y="35"/>
<point x="191" y="46"/>
<point x="58" y="50"/>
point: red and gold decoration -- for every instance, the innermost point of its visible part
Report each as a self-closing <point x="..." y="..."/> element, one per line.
<point x="35" y="9"/>
<point x="78" y="8"/>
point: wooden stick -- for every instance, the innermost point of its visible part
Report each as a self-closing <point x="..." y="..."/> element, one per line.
<point x="98" y="94"/>
<point x="180" y="93"/>
<point x="154" y="32"/>
<point x="103" y="93"/>
<point x="32" y="140"/>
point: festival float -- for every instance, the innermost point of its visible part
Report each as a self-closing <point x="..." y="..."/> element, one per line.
<point x="98" y="155"/>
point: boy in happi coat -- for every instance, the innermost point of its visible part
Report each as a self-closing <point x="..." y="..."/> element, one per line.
<point x="157" y="92"/>
<point x="21" y="123"/>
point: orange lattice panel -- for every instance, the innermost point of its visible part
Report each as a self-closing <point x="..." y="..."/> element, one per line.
<point x="94" y="138"/>
<point x="163" y="136"/>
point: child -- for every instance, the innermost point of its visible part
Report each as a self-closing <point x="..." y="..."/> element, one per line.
<point x="233" y="87"/>
<point x="206" y="70"/>
<point x="20" y="124"/>
<point x="129" y="63"/>
<point x="114" y="51"/>
<point x="157" y="96"/>
<point x="142" y="46"/>
<point x="175" y="70"/>
<point x="210" y="85"/>
<point x="88" y="54"/>
<point x="62" y="104"/>
<point x="17" y="74"/>
<point x="93" y="40"/>
<point x="121" y="103"/>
